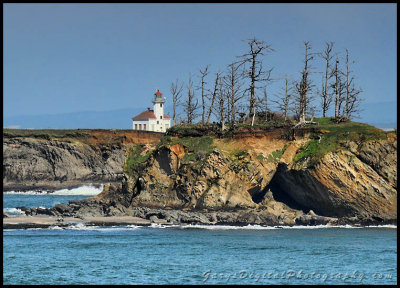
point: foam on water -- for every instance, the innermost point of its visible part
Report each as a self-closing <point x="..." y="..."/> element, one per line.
<point x="88" y="190"/>
<point x="13" y="211"/>
<point x="259" y="227"/>
<point x="81" y="226"/>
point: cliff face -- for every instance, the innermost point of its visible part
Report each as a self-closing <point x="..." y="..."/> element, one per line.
<point x="348" y="182"/>
<point x="59" y="160"/>
<point x="245" y="179"/>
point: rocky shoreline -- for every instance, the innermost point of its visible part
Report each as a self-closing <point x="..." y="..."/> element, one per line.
<point x="62" y="215"/>
<point x="243" y="180"/>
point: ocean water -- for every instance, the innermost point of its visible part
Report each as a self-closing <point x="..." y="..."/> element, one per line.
<point x="195" y="254"/>
<point x="14" y="199"/>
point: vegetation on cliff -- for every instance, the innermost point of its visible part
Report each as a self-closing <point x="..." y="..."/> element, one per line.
<point x="267" y="176"/>
<point x="331" y="137"/>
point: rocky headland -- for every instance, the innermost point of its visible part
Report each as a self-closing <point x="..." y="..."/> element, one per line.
<point x="326" y="174"/>
<point x="58" y="159"/>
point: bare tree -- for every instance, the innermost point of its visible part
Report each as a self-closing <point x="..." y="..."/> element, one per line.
<point x="233" y="82"/>
<point x="203" y="94"/>
<point x="264" y="102"/>
<point x="221" y="100"/>
<point x="304" y="86"/>
<point x="338" y="89"/>
<point x="283" y="100"/>
<point x="176" y="90"/>
<point x="326" y="97"/>
<point x="255" y="72"/>
<point x="191" y="105"/>
<point x="213" y="96"/>
<point x="353" y="100"/>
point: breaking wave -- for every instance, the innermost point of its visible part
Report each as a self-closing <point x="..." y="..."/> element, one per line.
<point x="13" y="211"/>
<point x="82" y="226"/>
<point x="85" y="190"/>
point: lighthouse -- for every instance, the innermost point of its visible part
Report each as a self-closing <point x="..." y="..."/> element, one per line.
<point x="158" y="104"/>
<point x="153" y="120"/>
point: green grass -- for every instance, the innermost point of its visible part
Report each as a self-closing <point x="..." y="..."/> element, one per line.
<point x="49" y="134"/>
<point x="260" y="157"/>
<point x="337" y="135"/>
<point x="239" y="159"/>
<point x="238" y="154"/>
<point x="275" y="156"/>
<point x="135" y="161"/>
<point x="194" y="130"/>
<point x="198" y="130"/>
<point x="197" y="147"/>
<point x="267" y="125"/>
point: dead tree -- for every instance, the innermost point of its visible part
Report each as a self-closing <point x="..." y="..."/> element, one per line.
<point x="203" y="94"/>
<point x="304" y="86"/>
<point x="221" y="98"/>
<point x="233" y="86"/>
<point x="265" y="103"/>
<point x="338" y="89"/>
<point x="326" y="97"/>
<point x="255" y="73"/>
<point x="283" y="100"/>
<point x="213" y="96"/>
<point x="191" y="105"/>
<point x="176" y="90"/>
<point x="353" y="99"/>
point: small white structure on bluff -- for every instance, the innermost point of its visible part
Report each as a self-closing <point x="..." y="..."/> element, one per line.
<point x="153" y="120"/>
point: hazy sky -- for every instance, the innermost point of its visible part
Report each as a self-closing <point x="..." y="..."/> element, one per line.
<point x="72" y="57"/>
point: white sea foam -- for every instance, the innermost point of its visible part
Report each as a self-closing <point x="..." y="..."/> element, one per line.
<point x="382" y="226"/>
<point x="13" y="211"/>
<point x="259" y="227"/>
<point x="85" y="190"/>
<point x="156" y="225"/>
<point x="27" y="192"/>
<point x="82" y="226"/>
<point x="56" y="228"/>
<point x="220" y="227"/>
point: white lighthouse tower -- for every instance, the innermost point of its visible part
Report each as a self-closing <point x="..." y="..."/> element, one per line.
<point x="153" y="120"/>
<point x="158" y="104"/>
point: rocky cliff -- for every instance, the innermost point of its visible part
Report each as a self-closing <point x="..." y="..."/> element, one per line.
<point x="53" y="159"/>
<point x="266" y="178"/>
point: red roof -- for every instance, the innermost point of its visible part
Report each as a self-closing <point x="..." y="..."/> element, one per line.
<point x="158" y="92"/>
<point x="148" y="114"/>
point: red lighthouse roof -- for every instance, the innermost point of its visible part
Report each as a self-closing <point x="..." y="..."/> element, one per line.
<point x="158" y="92"/>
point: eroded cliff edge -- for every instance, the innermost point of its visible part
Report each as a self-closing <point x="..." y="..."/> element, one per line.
<point x="55" y="159"/>
<point x="270" y="178"/>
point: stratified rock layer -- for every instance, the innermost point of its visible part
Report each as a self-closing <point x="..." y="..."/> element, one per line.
<point x="241" y="180"/>
<point x="33" y="162"/>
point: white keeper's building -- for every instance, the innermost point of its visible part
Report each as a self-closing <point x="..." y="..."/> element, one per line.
<point x="153" y="120"/>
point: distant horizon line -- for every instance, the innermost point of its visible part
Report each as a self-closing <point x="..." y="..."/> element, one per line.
<point x="136" y="108"/>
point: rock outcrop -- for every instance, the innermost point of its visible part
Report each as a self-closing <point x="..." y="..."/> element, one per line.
<point x="244" y="180"/>
<point x="87" y="157"/>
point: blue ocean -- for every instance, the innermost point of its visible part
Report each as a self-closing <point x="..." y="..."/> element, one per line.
<point x="192" y="254"/>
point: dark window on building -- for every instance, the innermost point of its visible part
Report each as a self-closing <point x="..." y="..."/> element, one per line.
<point x="158" y="122"/>
<point x="160" y="117"/>
<point x="160" y="105"/>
